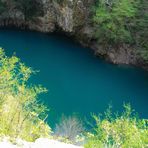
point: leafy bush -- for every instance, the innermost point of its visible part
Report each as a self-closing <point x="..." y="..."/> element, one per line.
<point x="125" y="131"/>
<point x="20" y="113"/>
<point x="112" y="19"/>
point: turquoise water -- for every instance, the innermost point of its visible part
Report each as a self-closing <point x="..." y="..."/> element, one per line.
<point x="77" y="81"/>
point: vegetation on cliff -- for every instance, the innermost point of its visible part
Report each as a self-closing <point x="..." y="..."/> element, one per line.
<point x="113" y="20"/>
<point x="140" y="30"/>
<point x="121" y="22"/>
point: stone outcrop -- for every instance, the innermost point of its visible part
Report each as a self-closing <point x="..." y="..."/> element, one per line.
<point x="73" y="17"/>
<point x="39" y="143"/>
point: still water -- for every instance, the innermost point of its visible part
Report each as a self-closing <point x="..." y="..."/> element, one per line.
<point x="77" y="81"/>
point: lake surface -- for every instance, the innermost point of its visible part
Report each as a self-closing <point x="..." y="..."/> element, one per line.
<point x="78" y="82"/>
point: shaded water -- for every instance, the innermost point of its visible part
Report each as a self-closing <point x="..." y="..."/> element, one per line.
<point x="77" y="80"/>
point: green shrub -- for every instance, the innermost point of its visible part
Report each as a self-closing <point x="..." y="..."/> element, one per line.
<point x="21" y="116"/>
<point x="112" y="20"/>
<point x="125" y="131"/>
<point x="140" y="29"/>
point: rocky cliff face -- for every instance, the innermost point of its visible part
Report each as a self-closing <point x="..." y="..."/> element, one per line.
<point x="68" y="15"/>
<point x="74" y="17"/>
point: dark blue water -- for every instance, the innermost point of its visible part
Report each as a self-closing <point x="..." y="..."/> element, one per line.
<point x="77" y="80"/>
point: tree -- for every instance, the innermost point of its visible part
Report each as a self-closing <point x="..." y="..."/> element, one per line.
<point x="20" y="113"/>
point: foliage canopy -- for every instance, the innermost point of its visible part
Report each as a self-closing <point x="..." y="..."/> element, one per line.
<point x="112" y="19"/>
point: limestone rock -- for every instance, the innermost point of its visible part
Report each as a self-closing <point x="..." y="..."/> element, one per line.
<point x="39" y="143"/>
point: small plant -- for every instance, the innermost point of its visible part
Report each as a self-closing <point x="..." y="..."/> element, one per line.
<point x="125" y="131"/>
<point x="70" y="128"/>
